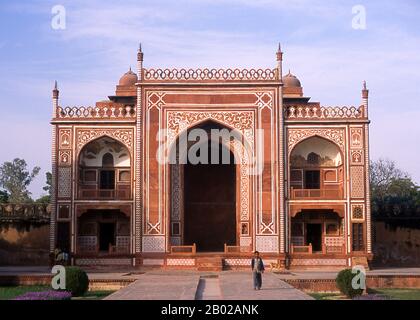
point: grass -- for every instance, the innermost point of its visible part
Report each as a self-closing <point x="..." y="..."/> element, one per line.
<point x="391" y="293"/>
<point x="399" y="293"/>
<point x="95" y="295"/>
<point x="9" y="293"/>
<point x="325" y="295"/>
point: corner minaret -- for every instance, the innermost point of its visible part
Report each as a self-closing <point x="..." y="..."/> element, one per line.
<point x="279" y="56"/>
<point x="140" y="56"/>
<point x="139" y="159"/>
<point x="365" y="102"/>
<point x="55" y="95"/>
<point x="365" y="98"/>
<point x="282" y="145"/>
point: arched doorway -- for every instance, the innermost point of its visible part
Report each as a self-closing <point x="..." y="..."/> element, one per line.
<point x="208" y="194"/>
<point x="210" y="204"/>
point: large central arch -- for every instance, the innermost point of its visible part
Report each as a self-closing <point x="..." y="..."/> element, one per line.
<point x="206" y="198"/>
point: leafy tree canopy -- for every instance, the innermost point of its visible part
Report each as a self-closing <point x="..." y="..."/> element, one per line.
<point x="15" y="179"/>
<point x="394" y="193"/>
<point x="4" y="196"/>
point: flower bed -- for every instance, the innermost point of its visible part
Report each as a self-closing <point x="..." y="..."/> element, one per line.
<point x="45" y="295"/>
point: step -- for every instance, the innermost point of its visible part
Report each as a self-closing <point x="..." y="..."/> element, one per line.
<point x="209" y="264"/>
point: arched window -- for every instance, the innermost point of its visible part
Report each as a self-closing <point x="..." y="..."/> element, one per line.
<point x="313" y="158"/>
<point x="107" y="160"/>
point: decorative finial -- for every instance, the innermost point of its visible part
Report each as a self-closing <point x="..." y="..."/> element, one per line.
<point x="140" y="54"/>
<point x="130" y="69"/>
<point x="365" y="91"/>
<point x="55" y="90"/>
<point x="279" y="54"/>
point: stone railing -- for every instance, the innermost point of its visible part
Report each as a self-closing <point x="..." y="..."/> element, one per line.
<point x="210" y="74"/>
<point x="102" y="112"/>
<point x="192" y="249"/>
<point x="25" y="212"/>
<point x="310" y="112"/>
<point x="237" y="249"/>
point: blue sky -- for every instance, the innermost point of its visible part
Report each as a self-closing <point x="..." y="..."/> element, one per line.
<point x="101" y="37"/>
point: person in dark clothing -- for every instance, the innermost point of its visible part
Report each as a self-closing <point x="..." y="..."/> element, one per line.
<point x="257" y="266"/>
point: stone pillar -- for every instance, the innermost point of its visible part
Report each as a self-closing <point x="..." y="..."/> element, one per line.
<point x="55" y="95"/>
<point x="138" y="211"/>
<point x="365" y="102"/>
<point x="282" y="158"/>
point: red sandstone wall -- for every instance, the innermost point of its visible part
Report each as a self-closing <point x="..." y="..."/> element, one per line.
<point x="24" y="244"/>
<point x="396" y="247"/>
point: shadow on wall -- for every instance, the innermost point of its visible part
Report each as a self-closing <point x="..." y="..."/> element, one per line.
<point x="396" y="243"/>
<point x="24" y="243"/>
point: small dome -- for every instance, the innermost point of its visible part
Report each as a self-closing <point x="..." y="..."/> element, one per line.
<point x="128" y="79"/>
<point x="289" y="80"/>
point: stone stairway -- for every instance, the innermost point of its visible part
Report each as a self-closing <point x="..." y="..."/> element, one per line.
<point x="209" y="264"/>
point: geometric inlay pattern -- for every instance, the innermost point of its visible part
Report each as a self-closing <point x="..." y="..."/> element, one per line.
<point x="153" y="243"/>
<point x="180" y="262"/>
<point x="64" y="182"/>
<point x="357" y="211"/>
<point x="318" y="262"/>
<point x="267" y="243"/>
<point x="297" y="135"/>
<point x="357" y="182"/>
<point x="125" y="136"/>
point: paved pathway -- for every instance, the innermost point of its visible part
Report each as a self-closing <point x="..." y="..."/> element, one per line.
<point x="213" y="286"/>
<point x="209" y="289"/>
<point x="238" y="286"/>
<point x="159" y="287"/>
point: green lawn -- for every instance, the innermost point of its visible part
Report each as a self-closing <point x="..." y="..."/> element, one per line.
<point x="399" y="293"/>
<point x="325" y="295"/>
<point x="9" y="293"/>
<point x="95" y="295"/>
<point x="394" y="294"/>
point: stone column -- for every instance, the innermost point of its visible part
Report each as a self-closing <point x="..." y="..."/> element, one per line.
<point x="55" y="95"/>
<point x="138" y="163"/>
<point x="365" y="102"/>
<point x="282" y="159"/>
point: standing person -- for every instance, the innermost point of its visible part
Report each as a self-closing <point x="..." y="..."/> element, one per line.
<point x="257" y="266"/>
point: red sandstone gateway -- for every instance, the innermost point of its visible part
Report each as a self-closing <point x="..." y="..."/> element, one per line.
<point x="116" y="203"/>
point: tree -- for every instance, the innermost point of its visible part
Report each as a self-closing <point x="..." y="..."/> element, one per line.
<point x="382" y="173"/>
<point x="4" y="196"/>
<point x="394" y="194"/>
<point x="15" y="178"/>
<point x="44" y="199"/>
<point x="48" y="183"/>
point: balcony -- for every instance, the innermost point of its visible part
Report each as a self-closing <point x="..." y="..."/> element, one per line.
<point x="89" y="245"/>
<point x="122" y="192"/>
<point x="326" y="249"/>
<point x="309" y="194"/>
